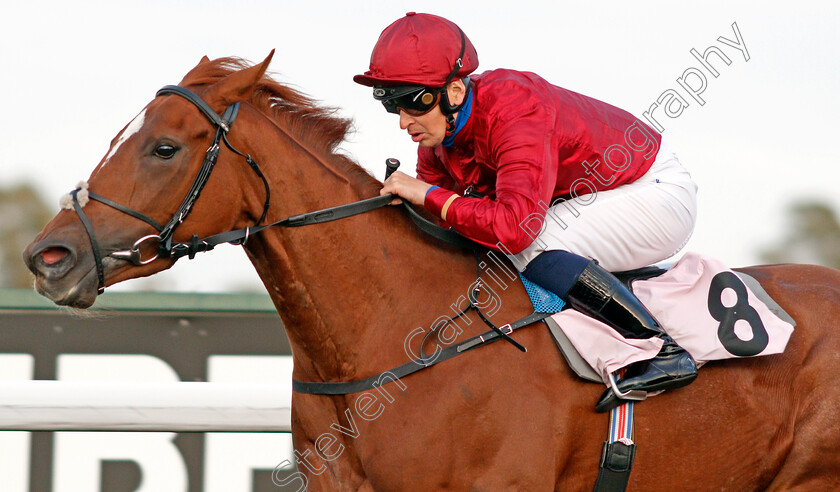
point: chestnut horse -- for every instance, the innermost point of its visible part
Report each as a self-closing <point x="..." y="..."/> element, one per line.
<point x="351" y="293"/>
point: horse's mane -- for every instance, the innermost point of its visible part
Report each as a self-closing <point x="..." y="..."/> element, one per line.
<point x="295" y="112"/>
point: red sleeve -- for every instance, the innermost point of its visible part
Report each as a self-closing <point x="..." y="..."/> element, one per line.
<point x="520" y="146"/>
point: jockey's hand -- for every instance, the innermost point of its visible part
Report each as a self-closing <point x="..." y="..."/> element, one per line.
<point x="411" y="189"/>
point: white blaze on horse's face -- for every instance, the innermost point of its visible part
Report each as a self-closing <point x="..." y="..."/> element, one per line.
<point x="132" y="128"/>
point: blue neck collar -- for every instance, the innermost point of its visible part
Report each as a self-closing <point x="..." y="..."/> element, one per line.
<point x="461" y="120"/>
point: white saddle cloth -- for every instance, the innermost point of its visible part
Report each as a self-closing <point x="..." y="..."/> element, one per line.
<point x="707" y="309"/>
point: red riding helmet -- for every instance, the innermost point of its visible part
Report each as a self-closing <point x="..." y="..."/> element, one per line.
<point x="420" y="49"/>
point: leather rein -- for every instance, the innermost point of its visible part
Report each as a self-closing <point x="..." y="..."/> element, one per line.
<point x="168" y="248"/>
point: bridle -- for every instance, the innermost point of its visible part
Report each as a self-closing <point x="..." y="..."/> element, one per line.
<point x="169" y="249"/>
<point x="166" y="247"/>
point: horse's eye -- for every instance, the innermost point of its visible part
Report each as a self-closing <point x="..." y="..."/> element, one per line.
<point x="165" y="151"/>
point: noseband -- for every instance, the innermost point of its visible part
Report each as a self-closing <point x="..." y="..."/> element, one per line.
<point x="166" y="247"/>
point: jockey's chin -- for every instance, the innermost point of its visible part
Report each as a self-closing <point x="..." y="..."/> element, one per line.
<point x="427" y="140"/>
<point x="427" y="130"/>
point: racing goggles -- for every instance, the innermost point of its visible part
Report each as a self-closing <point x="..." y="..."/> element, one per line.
<point x="415" y="100"/>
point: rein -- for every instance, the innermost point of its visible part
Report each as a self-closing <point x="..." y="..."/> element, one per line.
<point x="167" y="248"/>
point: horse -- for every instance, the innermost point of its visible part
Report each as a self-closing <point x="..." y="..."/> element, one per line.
<point x="353" y="293"/>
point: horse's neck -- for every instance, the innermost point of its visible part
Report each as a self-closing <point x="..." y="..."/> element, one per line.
<point x="351" y="291"/>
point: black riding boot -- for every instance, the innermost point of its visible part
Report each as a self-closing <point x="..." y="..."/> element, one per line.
<point x="599" y="294"/>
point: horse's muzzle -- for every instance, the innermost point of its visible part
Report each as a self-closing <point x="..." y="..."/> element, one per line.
<point x="58" y="272"/>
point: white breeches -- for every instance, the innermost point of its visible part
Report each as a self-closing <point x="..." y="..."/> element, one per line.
<point x="634" y="225"/>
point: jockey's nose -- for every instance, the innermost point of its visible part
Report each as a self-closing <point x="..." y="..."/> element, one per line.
<point x="49" y="259"/>
<point x="405" y="120"/>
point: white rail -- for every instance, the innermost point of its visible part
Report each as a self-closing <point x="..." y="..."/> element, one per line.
<point x="170" y="407"/>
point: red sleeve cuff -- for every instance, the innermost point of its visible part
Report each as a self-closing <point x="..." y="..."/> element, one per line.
<point x="436" y="199"/>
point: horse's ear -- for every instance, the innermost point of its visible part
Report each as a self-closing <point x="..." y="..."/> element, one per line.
<point x="189" y="74"/>
<point x="237" y="86"/>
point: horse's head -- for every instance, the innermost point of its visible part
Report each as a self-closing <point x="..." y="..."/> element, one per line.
<point x="151" y="166"/>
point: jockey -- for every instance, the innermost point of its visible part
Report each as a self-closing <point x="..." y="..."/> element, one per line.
<point x="569" y="187"/>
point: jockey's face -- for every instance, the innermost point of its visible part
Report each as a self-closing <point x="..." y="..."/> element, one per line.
<point x="429" y="129"/>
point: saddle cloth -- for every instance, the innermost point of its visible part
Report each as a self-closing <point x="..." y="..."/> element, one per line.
<point x="711" y="311"/>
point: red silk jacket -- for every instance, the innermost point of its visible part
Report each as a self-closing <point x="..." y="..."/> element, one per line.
<point x="526" y="142"/>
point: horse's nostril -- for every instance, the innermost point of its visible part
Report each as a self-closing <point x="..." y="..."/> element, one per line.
<point x="51" y="261"/>
<point x="53" y="255"/>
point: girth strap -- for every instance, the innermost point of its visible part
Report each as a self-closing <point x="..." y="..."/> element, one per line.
<point x="618" y="451"/>
<point x="343" y="388"/>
